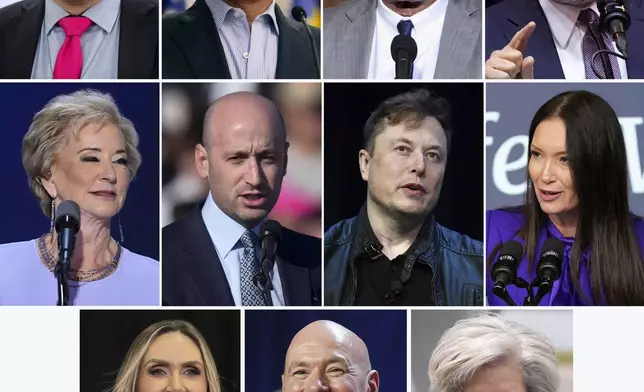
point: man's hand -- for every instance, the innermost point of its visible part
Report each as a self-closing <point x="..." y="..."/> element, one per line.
<point x="508" y="63"/>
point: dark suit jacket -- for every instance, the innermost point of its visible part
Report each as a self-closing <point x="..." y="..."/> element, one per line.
<point x="503" y="20"/>
<point x="20" y="26"/>
<point x="192" y="48"/>
<point x="193" y="275"/>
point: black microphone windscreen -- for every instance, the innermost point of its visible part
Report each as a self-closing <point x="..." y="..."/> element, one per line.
<point x="512" y="248"/>
<point x="270" y="227"/>
<point x="69" y="208"/>
<point x="298" y="13"/>
<point x="406" y="43"/>
<point x="553" y="244"/>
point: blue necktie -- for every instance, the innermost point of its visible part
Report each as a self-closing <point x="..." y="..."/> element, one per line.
<point x="251" y="294"/>
<point x="404" y="28"/>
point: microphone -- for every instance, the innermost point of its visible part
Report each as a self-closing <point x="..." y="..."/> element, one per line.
<point x="404" y="51"/>
<point x="270" y="235"/>
<point x="504" y="271"/>
<point x="67" y="225"/>
<point x="615" y="19"/>
<point x="298" y="13"/>
<point x="549" y="265"/>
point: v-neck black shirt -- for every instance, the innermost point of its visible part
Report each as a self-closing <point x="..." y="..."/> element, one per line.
<point x="376" y="272"/>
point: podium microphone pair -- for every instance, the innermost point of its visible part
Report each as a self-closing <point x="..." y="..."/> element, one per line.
<point x="504" y="272"/>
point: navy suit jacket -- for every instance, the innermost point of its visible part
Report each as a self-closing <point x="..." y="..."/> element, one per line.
<point x="503" y="20"/>
<point x="193" y="275"/>
<point x="192" y="48"/>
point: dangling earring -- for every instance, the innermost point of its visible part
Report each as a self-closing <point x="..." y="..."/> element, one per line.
<point x="120" y="228"/>
<point x="52" y="214"/>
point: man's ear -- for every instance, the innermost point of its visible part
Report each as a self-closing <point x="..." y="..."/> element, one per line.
<point x="363" y="161"/>
<point x="201" y="161"/>
<point x="373" y="381"/>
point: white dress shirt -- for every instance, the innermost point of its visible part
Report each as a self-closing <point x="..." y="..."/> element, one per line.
<point x="225" y="234"/>
<point x="568" y="35"/>
<point x="428" y="26"/>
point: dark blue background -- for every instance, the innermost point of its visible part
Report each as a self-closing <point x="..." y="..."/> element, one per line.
<point x="22" y="218"/>
<point x="269" y="333"/>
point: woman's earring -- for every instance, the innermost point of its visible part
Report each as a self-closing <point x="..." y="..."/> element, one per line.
<point x="121" y="229"/>
<point x="52" y="214"/>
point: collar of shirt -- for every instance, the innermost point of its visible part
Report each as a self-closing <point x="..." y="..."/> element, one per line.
<point x="223" y="230"/>
<point x="221" y="11"/>
<point x="420" y="20"/>
<point x="562" y="19"/>
<point x="103" y="14"/>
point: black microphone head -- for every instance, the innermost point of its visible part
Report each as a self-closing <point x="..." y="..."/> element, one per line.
<point x="508" y="262"/>
<point x="549" y="265"/>
<point x="298" y="13"/>
<point x="611" y="11"/>
<point x="406" y="43"/>
<point x="68" y="215"/>
<point x="270" y="227"/>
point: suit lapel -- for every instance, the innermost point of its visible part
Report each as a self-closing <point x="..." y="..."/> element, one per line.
<point x="541" y="45"/>
<point x="296" y="283"/>
<point x="22" y="49"/>
<point x="354" y="40"/>
<point x="204" y="267"/>
<point x="138" y="40"/>
<point x="635" y="62"/>
<point x="200" y="43"/>
<point x="459" y="38"/>
<point x="294" y="55"/>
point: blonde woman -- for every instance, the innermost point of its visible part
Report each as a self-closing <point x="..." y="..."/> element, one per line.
<point x="169" y="355"/>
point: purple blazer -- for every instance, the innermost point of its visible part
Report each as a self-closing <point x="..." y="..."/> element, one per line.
<point x="502" y="226"/>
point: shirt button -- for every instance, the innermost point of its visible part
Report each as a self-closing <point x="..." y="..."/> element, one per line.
<point x="245" y="55"/>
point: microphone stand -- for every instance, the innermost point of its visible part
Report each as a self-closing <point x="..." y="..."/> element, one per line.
<point x="263" y="279"/>
<point x="61" y="271"/>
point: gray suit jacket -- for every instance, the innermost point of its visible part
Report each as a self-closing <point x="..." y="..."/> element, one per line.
<point x="348" y="35"/>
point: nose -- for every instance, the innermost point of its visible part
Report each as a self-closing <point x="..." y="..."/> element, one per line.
<point x="108" y="173"/>
<point x="418" y="164"/>
<point x="175" y="384"/>
<point x="547" y="175"/>
<point x="253" y="175"/>
<point x="317" y="383"/>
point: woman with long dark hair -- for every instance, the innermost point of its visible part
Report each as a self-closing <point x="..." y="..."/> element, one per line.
<point x="577" y="192"/>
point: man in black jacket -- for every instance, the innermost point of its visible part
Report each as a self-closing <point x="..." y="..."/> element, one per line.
<point x="212" y="256"/>
<point x="119" y="40"/>
<point x="369" y="259"/>
<point x="233" y="39"/>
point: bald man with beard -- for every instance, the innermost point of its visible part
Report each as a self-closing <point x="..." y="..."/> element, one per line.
<point x="325" y="356"/>
<point x="211" y="257"/>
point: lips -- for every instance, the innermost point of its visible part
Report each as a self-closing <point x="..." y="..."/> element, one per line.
<point x="549" y="195"/>
<point x="415" y="187"/>
<point x="253" y="199"/>
<point x="110" y="194"/>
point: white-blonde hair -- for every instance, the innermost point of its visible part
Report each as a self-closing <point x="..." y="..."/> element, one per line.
<point x="486" y="339"/>
<point x="129" y="372"/>
<point x="49" y="131"/>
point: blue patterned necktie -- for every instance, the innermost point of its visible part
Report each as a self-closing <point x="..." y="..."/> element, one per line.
<point x="404" y="28"/>
<point x="588" y="47"/>
<point x="251" y="294"/>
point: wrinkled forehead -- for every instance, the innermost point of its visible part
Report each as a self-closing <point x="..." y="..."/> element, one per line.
<point x="333" y="344"/>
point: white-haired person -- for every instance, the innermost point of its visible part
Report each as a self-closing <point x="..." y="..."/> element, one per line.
<point x="80" y="147"/>
<point x="487" y="353"/>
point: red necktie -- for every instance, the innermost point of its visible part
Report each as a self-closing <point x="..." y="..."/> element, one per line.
<point x="69" y="62"/>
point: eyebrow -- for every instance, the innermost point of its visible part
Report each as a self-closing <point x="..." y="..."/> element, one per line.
<point x="95" y="149"/>
<point x="533" y="147"/>
<point x="407" y="141"/>
<point x="166" y="363"/>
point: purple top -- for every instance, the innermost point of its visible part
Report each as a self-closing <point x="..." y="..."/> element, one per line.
<point x="25" y="280"/>
<point x="502" y="226"/>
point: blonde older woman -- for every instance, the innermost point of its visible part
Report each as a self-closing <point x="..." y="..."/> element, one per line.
<point x="80" y="147"/>
<point x="170" y="355"/>
<point x="487" y="353"/>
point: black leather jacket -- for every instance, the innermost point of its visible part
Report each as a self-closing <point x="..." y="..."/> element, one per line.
<point x="456" y="261"/>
